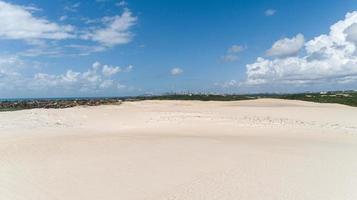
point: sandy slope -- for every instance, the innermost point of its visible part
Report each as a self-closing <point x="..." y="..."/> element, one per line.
<point x="259" y="149"/>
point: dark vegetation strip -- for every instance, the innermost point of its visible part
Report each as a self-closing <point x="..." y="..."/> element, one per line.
<point x="341" y="97"/>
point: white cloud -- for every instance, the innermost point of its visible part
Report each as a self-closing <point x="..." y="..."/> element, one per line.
<point x="121" y="3"/>
<point x="95" y="78"/>
<point x="328" y="59"/>
<point x="96" y="65"/>
<point x="87" y="20"/>
<point x="17" y="22"/>
<point x="351" y="33"/>
<point x="287" y="46"/>
<point x="91" y="76"/>
<point x="42" y="48"/>
<point x="121" y="86"/>
<point x="63" y="18"/>
<point x="9" y="74"/>
<point x="176" y="71"/>
<point x="71" y="76"/>
<point x="230" y="84"/>
<point x="73" y="7"/>
<point x="270" y="12"/>
<point x="89" y="81"/>
<point x="32" y="8"/>
<point x="45" y="80"/>
<point x="106" y="84"/>
<point x="109" y="71"/>
<point x="9" y="66"/>
<point x="84" y="50"/>
<point x="116" y="30"/>
<point x="67" y="80"/>
<point x="232" y="53"/>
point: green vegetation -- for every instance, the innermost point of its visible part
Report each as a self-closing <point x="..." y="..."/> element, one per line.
<point x="346" y="98"/>
<point x="8" y="109"/>
<point x="340" y="97"/>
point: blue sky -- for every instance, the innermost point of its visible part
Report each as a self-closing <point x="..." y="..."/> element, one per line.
<point x="117" y="48"/>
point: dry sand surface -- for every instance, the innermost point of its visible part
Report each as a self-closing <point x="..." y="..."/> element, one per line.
<point x="174" y="150"/>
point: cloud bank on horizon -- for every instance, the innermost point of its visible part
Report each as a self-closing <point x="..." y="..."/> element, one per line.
<point x="41" y="54"/>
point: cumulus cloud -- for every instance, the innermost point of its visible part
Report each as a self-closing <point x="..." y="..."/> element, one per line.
<point x="95" y="78"/>
<point x="116" y="30"/>
<point x="232" y="53"/>
<point x="121" y="86"/>
<point x="327" y="58"/>
<point x="63" y="18"/>
<point x="106" y="84"/>
<point x="96" y="65"/>
<point x="109" y="71"/>
<point x="90" y="80"/>
<point x="287" y="46"/>
<point x="121" y="4"/>
<point x="9" y="66"/>
<point x="270" y="12"/>
<point x="50" y="80"/>
<point x="351" y="33"/>
<point x="176" y="71"/>
<point x="229" y="84"/>
<point x="69" y="79"/>
<point x="17" y="22"/>
<point x="9" y="75"/>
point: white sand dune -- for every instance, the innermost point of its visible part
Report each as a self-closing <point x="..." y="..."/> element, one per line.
<point x="174" y="150"/>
